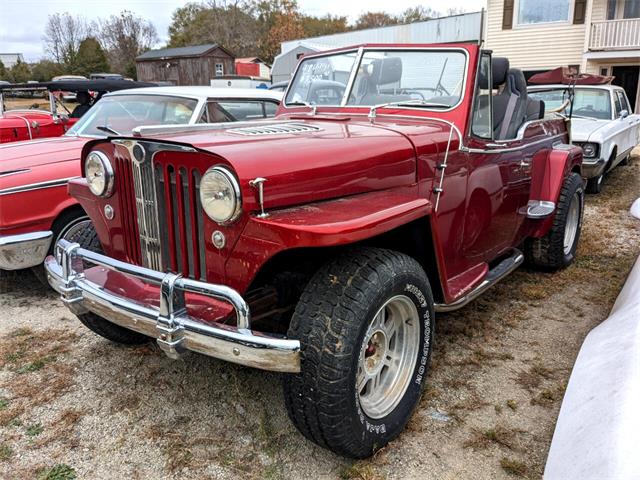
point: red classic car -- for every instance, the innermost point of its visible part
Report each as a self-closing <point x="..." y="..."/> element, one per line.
<point x="395" y="182"/>
<point x="32" y="110"/>
<point x="35" y="208"/>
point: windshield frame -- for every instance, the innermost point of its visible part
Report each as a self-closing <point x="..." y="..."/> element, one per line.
<point x="197" y="111"/>
<point x="360" y="51"/>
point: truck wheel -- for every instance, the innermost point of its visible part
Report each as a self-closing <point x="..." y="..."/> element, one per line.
<point x="594" y="185"/>
<point x="111" y="331"/>
<point x="557" y="249"/>
<point x="74" y="226"/>
<point x="365" y="325"/>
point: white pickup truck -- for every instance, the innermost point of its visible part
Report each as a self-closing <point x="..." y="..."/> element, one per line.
<point x="602" y="123"/>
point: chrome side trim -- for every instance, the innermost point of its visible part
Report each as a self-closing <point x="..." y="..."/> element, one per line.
<point x="175" y="331"/>
<point x="504" y="268"/>
<point x="507" y="148"/>
<point x="37" y="186"/>
<point x="24" y="250"/>
<point x="14" y="172"/>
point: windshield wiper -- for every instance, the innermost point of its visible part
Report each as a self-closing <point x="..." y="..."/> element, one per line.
<point x="105" y="128"/>
<point x="400" y="103"/>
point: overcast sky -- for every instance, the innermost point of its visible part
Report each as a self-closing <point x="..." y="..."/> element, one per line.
<point x="22" y="22"/>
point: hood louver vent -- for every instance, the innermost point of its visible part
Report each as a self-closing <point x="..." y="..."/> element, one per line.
<point x="274" y="129"/>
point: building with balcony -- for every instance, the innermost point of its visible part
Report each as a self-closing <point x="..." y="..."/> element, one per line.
<point x="592" y="36"/>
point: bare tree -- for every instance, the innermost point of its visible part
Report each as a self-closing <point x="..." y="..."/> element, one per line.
<point x="124" y="37"/>
<point x="63" y="34"/>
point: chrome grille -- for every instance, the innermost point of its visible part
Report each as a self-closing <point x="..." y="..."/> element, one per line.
<point x="148" y="226"/>
<point x="277" y="129"/>
<point x="163" y="218"/>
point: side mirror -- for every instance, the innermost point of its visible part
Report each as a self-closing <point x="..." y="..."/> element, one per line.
<point x="624" y="114"/>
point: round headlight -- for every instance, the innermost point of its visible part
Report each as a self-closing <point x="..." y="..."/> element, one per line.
<point x="589" y="150"/>
<point x="220" y="195"/>
<point x="99" y="174"/>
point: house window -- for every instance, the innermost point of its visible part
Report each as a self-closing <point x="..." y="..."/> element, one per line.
<point x="219" y="69"/>
<point x="604" y="71"/>
<point x="631" y="9"/>
<point x="543" y="11"/>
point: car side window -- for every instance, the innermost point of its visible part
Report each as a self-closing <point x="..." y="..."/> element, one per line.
<point x="270" y="109"/>
<point x="239" y="111"/>
<point x="624" y="103"/>
<point x="617" y="104"/>
<point x="217" y="113"/>
<point x="482" y="124"/>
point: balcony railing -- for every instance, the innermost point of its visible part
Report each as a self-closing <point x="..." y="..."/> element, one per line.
<point x="615" y="34"/>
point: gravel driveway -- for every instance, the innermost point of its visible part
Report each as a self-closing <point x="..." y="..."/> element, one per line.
<point x="71" y="403"/>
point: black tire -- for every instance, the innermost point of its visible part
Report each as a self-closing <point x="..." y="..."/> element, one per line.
<point x="594" y="185"/>
<point x="626" y="160"/>
<point x="331" y="320"/>
<point x="65" y="227"/>
<point x="111" y="331"/>
<point x="548" y="252"/>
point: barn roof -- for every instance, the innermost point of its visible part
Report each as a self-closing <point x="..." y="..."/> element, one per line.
<point x="192" y="51"/>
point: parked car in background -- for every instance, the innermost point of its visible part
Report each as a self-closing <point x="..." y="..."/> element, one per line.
<point x="240" y="81"/>
<point x="602" y="123"/>
<point x="320" y="243"/>
<point x="41" y="114"/>
<point x="106" y="76"/>
<point x="35" y="209"/>
<point x="67" y="96"/>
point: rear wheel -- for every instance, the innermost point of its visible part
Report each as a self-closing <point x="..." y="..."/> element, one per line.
<point x="365" y="324"/>
<point x="557" y="249"/>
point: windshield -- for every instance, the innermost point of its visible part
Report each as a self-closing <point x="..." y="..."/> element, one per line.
<point x="122" y="113"/>
<point x="587" y="102"/>
<point x="426" y="78"/>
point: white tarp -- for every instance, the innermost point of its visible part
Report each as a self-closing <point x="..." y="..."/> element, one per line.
<point x="597" y="435"/>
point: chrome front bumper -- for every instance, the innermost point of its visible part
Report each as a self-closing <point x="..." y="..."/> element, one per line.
<point x="175" y="331"/>
<point x="592" y="167"/>
<point x="24" y="251"/>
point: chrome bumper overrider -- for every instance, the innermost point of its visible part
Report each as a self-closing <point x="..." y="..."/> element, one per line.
<point x="176" y="332"/>
<point x="24" y="251"/>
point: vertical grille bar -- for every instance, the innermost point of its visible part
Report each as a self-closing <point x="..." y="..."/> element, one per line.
<point x="181" y="221"/>
<point x="168" y="170"/>
<point x="130" y="234"/>
<point x="195" y="231"/>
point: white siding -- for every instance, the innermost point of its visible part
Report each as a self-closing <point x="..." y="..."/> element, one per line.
<point x="535" y="47"/>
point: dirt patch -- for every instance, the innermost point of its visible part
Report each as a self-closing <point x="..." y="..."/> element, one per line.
<point x="72" y="403"/>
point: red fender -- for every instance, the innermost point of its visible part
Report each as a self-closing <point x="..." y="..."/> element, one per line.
<point x="549" y="171"/>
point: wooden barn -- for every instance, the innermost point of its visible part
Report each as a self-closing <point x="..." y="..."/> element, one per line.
<point x="195" y="65"/>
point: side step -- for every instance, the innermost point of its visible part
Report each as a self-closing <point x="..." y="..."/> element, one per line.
<point x="504" y="268"/>
<point x="540" y="209"/>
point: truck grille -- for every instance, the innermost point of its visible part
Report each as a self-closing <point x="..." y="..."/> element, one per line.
<point x="164" y="230"/>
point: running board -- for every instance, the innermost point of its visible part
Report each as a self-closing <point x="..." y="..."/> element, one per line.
<point x="504" y="268"/>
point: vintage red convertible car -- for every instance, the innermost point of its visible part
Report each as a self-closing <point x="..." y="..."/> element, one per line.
<point x="35" y="209"/>
<point x="395" y="182"/>
<point x="42" y="118"/>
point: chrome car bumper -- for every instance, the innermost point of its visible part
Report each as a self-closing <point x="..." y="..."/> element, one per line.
<point x="175" y="331"/>
<point x="24" y="250"/>
<point x="592" y="167"/>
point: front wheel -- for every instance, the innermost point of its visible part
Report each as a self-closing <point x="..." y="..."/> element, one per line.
<point x="365" y="324"/>
<point x="73" y="226"/>
<point x="594" y="185"/>
<point x="557" y="249"/>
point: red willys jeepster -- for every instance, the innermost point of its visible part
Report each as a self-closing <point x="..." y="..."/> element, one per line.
<point x="394" y="183"/>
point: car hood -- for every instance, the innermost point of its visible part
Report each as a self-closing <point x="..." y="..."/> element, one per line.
<point x="325" y="158"/>
<point x="35" y="153"/>
<point x="583" y="129"/>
